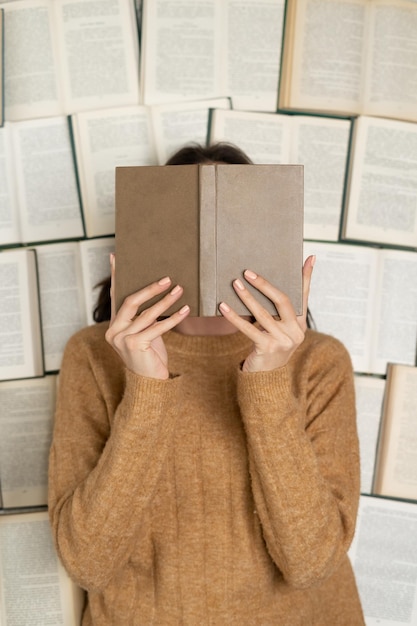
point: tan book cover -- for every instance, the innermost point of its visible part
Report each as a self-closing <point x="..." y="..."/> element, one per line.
<point x="203" y="225"/>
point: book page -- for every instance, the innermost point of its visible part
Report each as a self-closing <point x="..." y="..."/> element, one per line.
<point x="9" y="219"/>
<point x="390" y="84"/>
<point x="324" y="57"/>
<point x="342" y="296"/>
<point x="31" y="73"/>
<point x="25" y="437"/>
<point x="48" y="198"/>
<point x="95" y="264"/>
<point x="395" y="330"/>
<point x="99" y="58"/>
<point x="396" y="474"/>
<point x="180" y="50"/>
<point x="322" y="145"/>
<point x="382" y="187"/>
<point x="62" y="298"/>
<point x="178" y="124"/>
<point x="252" y="31"/>
<point x="20" y="326"/>
<point x="104" y="140"/>
<point x="1" y="67"/>
<point x="265" y="137"/>
<point x="384" y="559"/>
<point x="369" y="392"/>
<point x="34" y="587"/>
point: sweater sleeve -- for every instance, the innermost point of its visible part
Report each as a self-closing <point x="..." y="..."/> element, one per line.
<point x="101" y="480"/>
<point x="304" y="460"/>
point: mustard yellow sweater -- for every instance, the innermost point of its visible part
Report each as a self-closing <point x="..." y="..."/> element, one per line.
<point x="216" y="497"/>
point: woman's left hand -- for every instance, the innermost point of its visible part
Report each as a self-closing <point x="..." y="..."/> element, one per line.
<point x="276" y="339"/>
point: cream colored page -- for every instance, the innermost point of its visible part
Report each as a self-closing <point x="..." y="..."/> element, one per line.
<point x="95" y="263"/>
<point x="384" y="559"/>
<point x="25" y="438"/>
<point x="177" y="124"/>
<point x="369" y="392"/>
<point x="398" y="473"/>
<point x="31" y="575"/>
<point x="48" y="198"/>
<point x="105" y="139"/>
<point x="252" y="52"/>
<point x="382" y="198"/>
<point x="265" y="137"/>
<point x="328" y="59"/>
<point x="99" y="58"/>
<point x="180" y="50"/>
<point x="390" y="85"/>
<point x="20" y="330"/>
<point x="342" y="296"/>
<point x="395" y="330"/>
<point x="62" y="298"/>
<point x="31" y="81"/>
<point x="321" y="145"/>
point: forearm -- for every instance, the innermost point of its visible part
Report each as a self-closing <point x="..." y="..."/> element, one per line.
<point x="305" y="483"/>
<point x="96" y="513"/>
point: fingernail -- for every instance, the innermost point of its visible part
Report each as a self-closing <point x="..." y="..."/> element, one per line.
<point x="184" y="309"/>
<point x="176" y="289"/>
<point x="224" y="307"/>
<point x="164" y="281"/>
<point x="313" y="260"/>
<point x="250" y="274"/>
<point x="238" y="283"/>
<point x="111" y="258"/>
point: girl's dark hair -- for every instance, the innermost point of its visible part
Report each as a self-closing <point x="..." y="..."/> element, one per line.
<point x="221" y="152"/>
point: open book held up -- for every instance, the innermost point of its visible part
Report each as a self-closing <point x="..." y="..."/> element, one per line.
<point x="203" y="225"/>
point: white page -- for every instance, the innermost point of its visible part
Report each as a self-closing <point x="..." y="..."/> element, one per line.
<point x="252" y="35"/>
<point x="47" y="193"/>
<point x="384" y="559"/>
<point x="327" y="63"/>
<point x="265" y="137"/>
<point x="95" y="263"/>
<point x="390" y="84"/>
<point x="31" y="72"/>
<point x="181" y="50"/>
<point x="98" y="46"/>
<point x="9" y="220"/>
<point x="62" y="298"/>
<point x="395" y="333"/>
<point x="20" y="329"/>
<point x="104" y="140"/>
<point x="25" y="438"/>
<point x="175" y="125"/>
<point x="382" y="200"/>
<point x="321" y="144"/>
<point x="369" y="392"/>
<point x="342" y="296"/>
<point x="34" y="587"/>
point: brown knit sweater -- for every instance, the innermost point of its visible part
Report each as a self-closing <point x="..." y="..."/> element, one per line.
<point x="216" y="497"/>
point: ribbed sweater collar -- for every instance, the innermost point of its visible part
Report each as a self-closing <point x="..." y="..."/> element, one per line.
<point x="204" y="345"/>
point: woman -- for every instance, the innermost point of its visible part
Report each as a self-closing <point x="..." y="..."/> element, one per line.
<point x="206" y="470"/>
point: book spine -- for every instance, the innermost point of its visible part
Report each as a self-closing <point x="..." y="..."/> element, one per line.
<point x="208" y="246"/>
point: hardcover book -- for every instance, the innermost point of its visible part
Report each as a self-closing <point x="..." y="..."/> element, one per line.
<point x="203" y="225"/>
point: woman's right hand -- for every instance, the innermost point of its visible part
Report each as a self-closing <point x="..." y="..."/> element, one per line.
<point x="137" y="339"/>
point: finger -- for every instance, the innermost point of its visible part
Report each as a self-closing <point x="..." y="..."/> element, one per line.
<point x="280" y="300"/>
<point x="249" y="329"/>
<point x="149" y="316"/>
<point x="131" y="304"/>
<point x="160" y="328"/>
<point x="112" y="283"/>
<point x="307" y="273"/>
